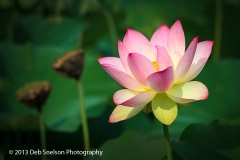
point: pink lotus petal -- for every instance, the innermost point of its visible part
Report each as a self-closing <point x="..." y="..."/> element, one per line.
<point x="123" y="53"/>
<point x="122" y="78"/>
<point x="135" y="42"/>
<point x="141" y="67"/>
<point x="176" y="40"/>
<point x="188" y="92"/>
<point x="163" y="58"/>
<point x="114" y="61"/>
<point x="186" y="60"/>
<point x="123" y="112"/>
<point x="160" y="36"/>
<point x="203" y="51"/>
<point x="164" y="109"/>
<point x="130" y="98"/>
<point x="161" y="81"/>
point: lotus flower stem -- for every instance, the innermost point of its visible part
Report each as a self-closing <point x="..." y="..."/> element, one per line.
<point x="29" y="56"/>
<point x="42" y="134"/>
<point x="167" y="140"/>
<point x="10" y="31"/>
<point x="80" y="39"/>
<point x="218" y="30"/>
<point x="83" y="117"/>
<point x="112" y="29"/>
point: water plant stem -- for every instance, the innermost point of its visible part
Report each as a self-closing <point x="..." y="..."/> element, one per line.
<point x="218" y="30"/>
<point x="29" y="62"/>
<point x="112" y="29"/>
<point x="80" y="39"/>
<point x="167" y="140"/>
<point x="42" y="134"/>
<point x="83" y="117"/>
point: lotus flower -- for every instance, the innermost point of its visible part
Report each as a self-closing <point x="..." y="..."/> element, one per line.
<point x="157" y="71"/>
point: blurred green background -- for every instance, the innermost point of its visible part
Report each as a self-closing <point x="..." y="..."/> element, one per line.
<point x="34" y="33"/>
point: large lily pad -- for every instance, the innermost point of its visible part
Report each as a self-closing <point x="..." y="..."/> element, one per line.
<point x="219" y="140"/>
<point x="131" y="145"/>
<point x="62" y="32"/>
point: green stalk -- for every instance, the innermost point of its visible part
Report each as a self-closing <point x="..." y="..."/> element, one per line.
<point x="83" y="117"/>
<point x="42" y="135"/>
<point x="10" y="31"/>
<point x="80" y="39"/>
<point x="218" y="30"/>
<point x="167" y="140"/>
<point x="112" y="29"/>
<point x="29" y="56"/>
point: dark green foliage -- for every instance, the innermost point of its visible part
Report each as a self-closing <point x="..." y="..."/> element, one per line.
<point x="219" y="140"/>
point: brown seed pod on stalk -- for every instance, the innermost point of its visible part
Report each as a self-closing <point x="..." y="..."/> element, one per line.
<point x="70" y="64"/>
<point x="34" y="94"/>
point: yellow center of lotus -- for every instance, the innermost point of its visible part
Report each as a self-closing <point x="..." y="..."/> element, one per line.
<point x="155" y="64"/>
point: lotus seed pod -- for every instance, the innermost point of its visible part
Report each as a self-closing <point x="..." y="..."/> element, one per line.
<point x="70" y="64"/>
<point x="34" y="94"/>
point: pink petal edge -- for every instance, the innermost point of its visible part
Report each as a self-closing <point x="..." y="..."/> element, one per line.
<point x="202" y="54"/>
<point x="136" y="42"/>
<point x="114" y="61"/>
<point x="160" y="36"/>
<point x="161" y="81"/>
<point x="141" y="67"/>
<point x="163" y="58"/>
<point x="176" y="40"/>
<point x="123" y="53"/>
<point x="122" y="78"/>
<point x="133" y="98"/>
<point x="186" y="60"/>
